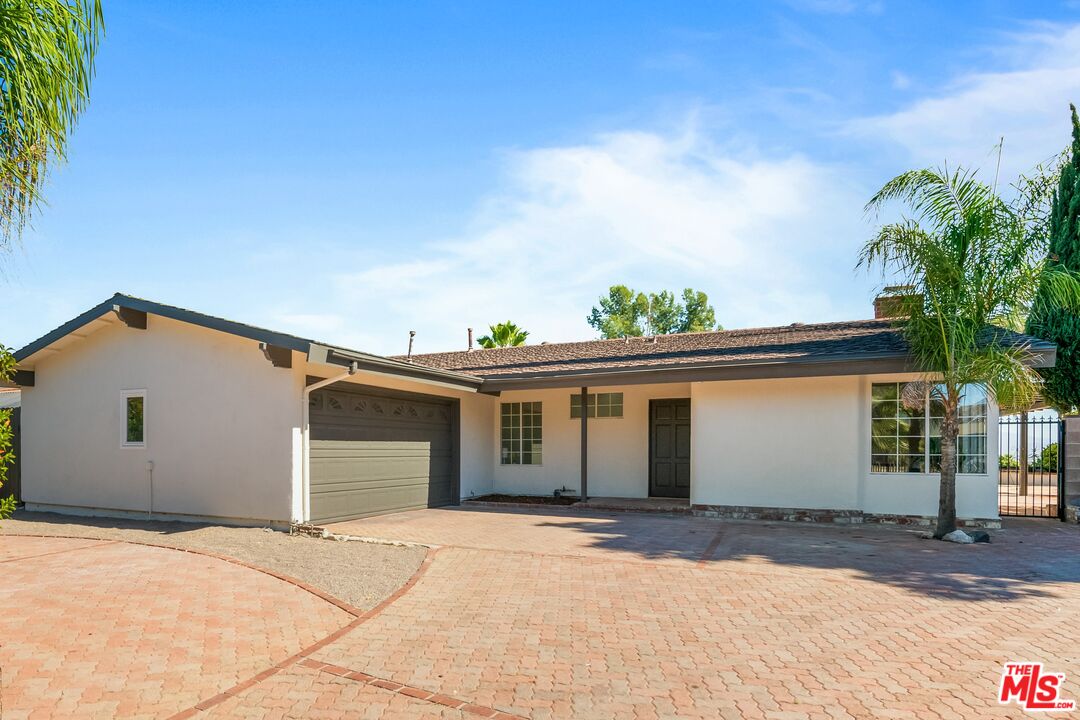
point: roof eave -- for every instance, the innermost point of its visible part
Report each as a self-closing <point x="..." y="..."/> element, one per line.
<point x="1042" y="355"/>
<point x="329" y="355"/>
<point x="698" y="372"/>
<point x="167" y="311"/>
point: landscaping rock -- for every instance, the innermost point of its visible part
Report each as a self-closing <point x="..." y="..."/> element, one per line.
<point x="979" y="536"/>
<point x="958" y="536"/>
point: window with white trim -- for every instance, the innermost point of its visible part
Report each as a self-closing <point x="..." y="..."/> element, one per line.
<point x="134" y="418"/>
<point x="604" y="405"/>
<point x="522" y="434"/>
<point x="908" y="440"/>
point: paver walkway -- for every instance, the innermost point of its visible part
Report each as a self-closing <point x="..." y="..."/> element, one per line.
<point x="556" y="614"/>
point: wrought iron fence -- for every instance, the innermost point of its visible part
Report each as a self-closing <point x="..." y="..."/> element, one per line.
<point x="1030" y="476"/>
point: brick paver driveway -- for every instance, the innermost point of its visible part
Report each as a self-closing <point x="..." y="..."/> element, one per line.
<point x="557" y="614"/>
<point x="566" y="615"/>
<point x="99" y="629"/>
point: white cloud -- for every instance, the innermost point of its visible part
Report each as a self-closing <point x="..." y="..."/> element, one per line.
<point x="763" y="236"/>
<point x="1026" y="103"/>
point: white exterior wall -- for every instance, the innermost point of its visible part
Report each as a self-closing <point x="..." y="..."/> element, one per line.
<point x="221" y="425"/>
<point x="791" y="443"/>
<point x="618" y="447"/>
<point x="805" y="443"/>
<point x="781" y="443"/>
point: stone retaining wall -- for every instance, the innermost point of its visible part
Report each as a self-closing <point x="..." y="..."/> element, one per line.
<point x="842" y="517"/>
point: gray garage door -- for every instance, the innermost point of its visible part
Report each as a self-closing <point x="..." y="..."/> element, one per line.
<point x="373" y="453"/>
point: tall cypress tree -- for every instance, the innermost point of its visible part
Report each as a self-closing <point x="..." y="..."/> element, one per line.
<point x="1050" y="320"/>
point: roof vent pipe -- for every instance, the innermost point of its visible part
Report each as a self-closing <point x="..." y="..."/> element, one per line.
<point x="408" y="356"/>
<point x="470" y="339"/>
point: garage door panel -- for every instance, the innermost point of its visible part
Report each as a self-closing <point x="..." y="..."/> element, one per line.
<point x="387" y="433"/>
<point x="372" y="454"/>
<point x="338" y="468"/>
<point x="356" y="503"/>
<point x="369" y="448"/>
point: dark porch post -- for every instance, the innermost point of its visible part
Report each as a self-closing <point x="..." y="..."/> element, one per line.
<point x="584" y="444"/>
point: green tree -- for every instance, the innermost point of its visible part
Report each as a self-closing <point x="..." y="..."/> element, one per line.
<point x="1007" y="461"/>
<point x="1047" y="460"/>
<point x="505" y="334"/>
<point x="975" y="264"/>
<point x="621" y="313"/>
<point x="47" y="50"/>
<point x="663" y="314"/>
<point x="628" y="313"/>
<point x="1051" y="320"/>
<point x="697" y="315"/>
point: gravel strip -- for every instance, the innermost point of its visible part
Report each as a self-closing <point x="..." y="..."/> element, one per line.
<point x="362" y="574"/>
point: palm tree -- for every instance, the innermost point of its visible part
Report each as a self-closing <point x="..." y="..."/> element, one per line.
<point x="47" y="50"/>
<point x="505" y="334"/>
<point x="974" y="264"/>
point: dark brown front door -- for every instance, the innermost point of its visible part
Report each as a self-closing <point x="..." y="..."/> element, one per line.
<point x="669" y="448"/>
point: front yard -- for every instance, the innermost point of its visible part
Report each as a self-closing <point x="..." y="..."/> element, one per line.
<point x="532" y="613"/>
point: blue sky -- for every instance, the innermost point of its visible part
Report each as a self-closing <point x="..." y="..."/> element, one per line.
<point x="351" y="171"/>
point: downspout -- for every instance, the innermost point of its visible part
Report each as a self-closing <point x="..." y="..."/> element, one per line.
<point x="305" y="432"/>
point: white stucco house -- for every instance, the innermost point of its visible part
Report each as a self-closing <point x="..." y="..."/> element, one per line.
<point x="136" y="407"/>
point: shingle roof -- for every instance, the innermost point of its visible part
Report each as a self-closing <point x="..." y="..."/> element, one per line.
<point x="839" y="341"/>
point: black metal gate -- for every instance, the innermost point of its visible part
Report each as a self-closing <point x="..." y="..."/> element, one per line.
<point x="1031" y="475"/>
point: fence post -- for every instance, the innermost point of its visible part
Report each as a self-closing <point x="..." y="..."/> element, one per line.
<point x="1061" y="469"/>
<point x="1023" y="452"/>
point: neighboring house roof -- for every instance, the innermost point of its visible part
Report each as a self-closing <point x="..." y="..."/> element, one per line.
<point x="854" y="347"/>
<point x="107" y="312"/>
<point x="10" y="398"/>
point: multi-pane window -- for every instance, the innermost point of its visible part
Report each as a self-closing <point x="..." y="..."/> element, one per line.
<point x="600" y="405"/>
<point x="908" y="439"/>
<point x="971" y="444"/>
<point x="134" y="418"/>
<point x="522" y="433"/>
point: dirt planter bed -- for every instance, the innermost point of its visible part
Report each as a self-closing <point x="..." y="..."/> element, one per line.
<point x="360" y="574"/>
<point x="500" y="499"/>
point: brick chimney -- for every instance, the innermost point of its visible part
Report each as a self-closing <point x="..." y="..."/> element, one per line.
<point x="894" y="301"/>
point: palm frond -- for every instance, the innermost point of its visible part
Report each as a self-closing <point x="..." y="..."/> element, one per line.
<point x="936" y="197"/>
<point x="47" y="50"/>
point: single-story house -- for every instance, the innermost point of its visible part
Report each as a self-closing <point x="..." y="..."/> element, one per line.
<point x="136" y="407"/>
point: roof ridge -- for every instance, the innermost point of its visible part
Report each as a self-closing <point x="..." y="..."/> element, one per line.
<point x="630" y="338"/>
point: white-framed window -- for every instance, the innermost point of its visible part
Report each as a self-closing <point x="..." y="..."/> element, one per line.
<point x="604" y="405"/>
<point x="908" y="440"/>
<point x="522" y="435"/>
<point x="134" y="423"/>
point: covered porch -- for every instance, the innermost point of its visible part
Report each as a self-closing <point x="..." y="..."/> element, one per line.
<point x="630" y="449"/>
